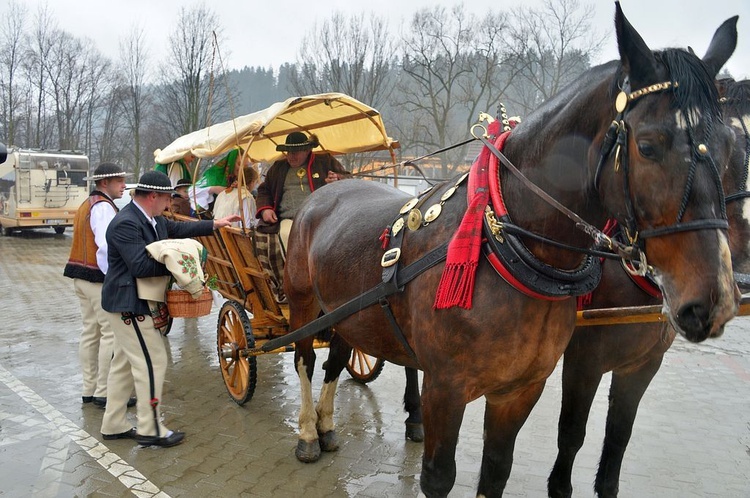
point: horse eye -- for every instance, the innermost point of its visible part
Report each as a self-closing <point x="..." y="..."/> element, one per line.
<point x="646" y="150"/>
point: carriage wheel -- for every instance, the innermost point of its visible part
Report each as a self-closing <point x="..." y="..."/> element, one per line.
<point x="364" y="368"/>
<point x="234" y="334"/>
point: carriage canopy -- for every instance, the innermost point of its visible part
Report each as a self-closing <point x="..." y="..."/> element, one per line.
<point x="342" y="124"/>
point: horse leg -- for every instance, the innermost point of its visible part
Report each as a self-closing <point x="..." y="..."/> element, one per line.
<point x="580" y="380"/>
<point x="504" y="415"/>
<point x="443" y="413"/>
<point x="338" y="356"/>
<point x="625" y="394"/>
<point x="413" y="406"/>
<point x="308" y="448"/>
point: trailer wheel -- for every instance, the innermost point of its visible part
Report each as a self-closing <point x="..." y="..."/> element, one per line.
<point x="7" y="231"/>
<point x="59" y="230"/>
<point x="233" y="335"/>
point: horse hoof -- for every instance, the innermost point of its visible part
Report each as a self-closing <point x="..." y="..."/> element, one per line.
<point x="414" y="432"/>
<point x="328" y="441"/>
<point x="307" y="452"/>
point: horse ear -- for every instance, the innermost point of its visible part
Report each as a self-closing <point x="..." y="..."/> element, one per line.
<point x="722" y="46"/>
<point x="637" y="59"/>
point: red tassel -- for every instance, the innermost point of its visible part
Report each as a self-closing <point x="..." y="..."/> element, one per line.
<point x="456" y="287"/>
<point x="385" y="237"/>
<point x="584" y="300"/>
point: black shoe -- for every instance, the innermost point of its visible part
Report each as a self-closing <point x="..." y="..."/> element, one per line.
<point x="87" y="399"/>
<point x="172" y="440"/>
<point x="129" y="434"/>
<point x="102" y="402"/>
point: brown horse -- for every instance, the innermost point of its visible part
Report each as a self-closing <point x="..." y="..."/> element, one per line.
<point x="633" y="353"/>
<point x="662" y="181"/>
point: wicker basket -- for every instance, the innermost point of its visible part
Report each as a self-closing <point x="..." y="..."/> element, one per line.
<point x="182" y="305"/>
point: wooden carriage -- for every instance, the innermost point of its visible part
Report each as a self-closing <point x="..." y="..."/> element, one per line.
<point x="251" y="316"/>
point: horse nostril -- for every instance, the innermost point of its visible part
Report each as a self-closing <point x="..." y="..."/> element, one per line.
<point x="693" y="322"/>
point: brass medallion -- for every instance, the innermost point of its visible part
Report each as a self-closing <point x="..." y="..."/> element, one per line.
<point x="621" y="102"/>
<point x="415" y="219"/>
<point x="407" y="207"/>
<point x="432" y="213"/>
<point x="398" y="225"/>
<point x="463" y="177"/>
<point x="301" y="173"/>
<point x="448" y="193"/>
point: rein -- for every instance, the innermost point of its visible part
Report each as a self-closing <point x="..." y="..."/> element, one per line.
<point x="600" y="238"/>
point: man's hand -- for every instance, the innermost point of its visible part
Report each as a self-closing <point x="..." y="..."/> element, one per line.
<point x="226" y="221"/>
<point x="332" y="177"/>
<point x="269" y="216"/>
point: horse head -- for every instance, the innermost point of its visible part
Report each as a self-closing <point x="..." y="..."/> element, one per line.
<point x="735" y="102"/>
<point x="662" y="177"/>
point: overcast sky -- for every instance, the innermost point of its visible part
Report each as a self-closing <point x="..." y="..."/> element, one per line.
<point x="268" y="32"/>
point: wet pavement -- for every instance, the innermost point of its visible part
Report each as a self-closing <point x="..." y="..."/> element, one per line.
<point x="692" y="435"/>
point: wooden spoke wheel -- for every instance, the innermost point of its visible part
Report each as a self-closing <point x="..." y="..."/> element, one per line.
<point x="234" y="334"/>
<point x="364" y="368"/>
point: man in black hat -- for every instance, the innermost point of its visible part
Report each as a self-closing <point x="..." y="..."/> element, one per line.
<point x="288" y="183"/>
<point x="87" y="266"/>
<point x="141" y="347"/>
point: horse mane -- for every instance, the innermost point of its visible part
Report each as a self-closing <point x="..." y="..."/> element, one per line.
<point x="697" y="88"/>
<point x="737" y="93"/>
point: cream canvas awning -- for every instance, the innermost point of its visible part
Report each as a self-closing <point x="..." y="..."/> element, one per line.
<point x="342" y="124"/>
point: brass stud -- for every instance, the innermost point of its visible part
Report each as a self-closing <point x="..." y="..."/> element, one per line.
<point x="415" y="219"/>
<point x="621" y="102"/>
<point x="432" y="213"/>
<point x="407" y="207"/>
<point x="448" y="193"/>
<point x="398" y="225"/>
<point x="702" y="149"/>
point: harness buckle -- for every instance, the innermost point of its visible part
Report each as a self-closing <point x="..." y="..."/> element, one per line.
<point x="390" y="257"/>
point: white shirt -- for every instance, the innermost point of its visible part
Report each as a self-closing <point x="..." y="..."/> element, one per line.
<point x="148" y="217"/>
<point x="228" y="203"/>
<point x="99" y="218"/>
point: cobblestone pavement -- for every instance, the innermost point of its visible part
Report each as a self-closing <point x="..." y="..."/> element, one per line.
<point x="692" y="435"/>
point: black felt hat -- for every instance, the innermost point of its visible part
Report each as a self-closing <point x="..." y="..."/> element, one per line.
<point x="107" y="170"/>
<point x="183" y="182"/>
<point x="155" y="181"/>
<point x="298" y="141"/>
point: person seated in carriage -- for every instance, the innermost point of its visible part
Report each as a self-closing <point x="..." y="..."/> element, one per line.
<point x="177" y="170"/>
<point x="228" y="201"/>
<point x="288" y="183"/>
<point x="214" y="180"/>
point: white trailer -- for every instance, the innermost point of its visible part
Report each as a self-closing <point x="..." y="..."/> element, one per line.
<point x="41" y="188"/>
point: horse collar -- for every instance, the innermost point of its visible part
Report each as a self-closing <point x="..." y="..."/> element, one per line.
<point x="518" y="266"/>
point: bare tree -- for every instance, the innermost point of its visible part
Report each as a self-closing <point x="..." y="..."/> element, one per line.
<point x="76" y="72"/>
<point x="43" y="40"/>
<point x="12" y="48"/>
<point x="448" y="71"/>
<point x="552" y="45"/>
<point x="351" y="55"/>
<point x="193" y="93"/>
<point x="133" y="96"/>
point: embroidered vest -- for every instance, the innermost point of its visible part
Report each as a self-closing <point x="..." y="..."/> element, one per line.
<point x="82" y="261"/>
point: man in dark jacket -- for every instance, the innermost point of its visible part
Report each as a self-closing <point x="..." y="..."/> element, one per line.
<point x="288" y="183"/>
<point x="139" y="345"/>
<point x="290" y="180"/>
